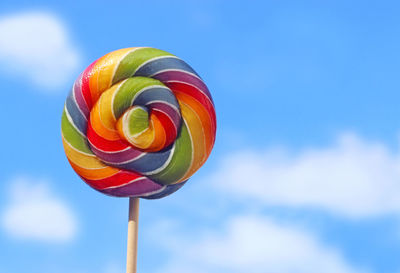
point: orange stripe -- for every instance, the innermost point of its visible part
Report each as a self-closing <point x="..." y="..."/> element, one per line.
<point x="142" y="140"/>
<point x="80" y="158"/>
<point x="93" y="81"/>
<point x="202" y="114"/>
<point x="106" y="74"/>
<point x="87" y="166"/>
<point x="106" y="108"/>
<point x="159" y="133"/>
<point x="94" y="174"/>
<point x="150" y="140"/>
<point x="103" y="72"/>
<point x="198" y="139"/>
<point x="98" y="126"/>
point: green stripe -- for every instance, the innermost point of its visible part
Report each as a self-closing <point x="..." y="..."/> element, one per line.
<point x="180" y="162"/>
<point x="72" y="136"/>
<point x="133" y="60"/>
<point x="138" y="120"/>
<point x="128" y="90"/>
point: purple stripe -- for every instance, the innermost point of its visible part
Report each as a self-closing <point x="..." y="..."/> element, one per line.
<point x="170" y="76"/>
<point x="116" y="157"/>
<point x="137" y="188"/>
<point x="79" y="97"/>
<point x="167" y="109"/>
<point x="170" y="189"/>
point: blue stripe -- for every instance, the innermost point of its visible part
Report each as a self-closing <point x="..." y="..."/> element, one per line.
<point x="158" y="65"/>
<point x="77" y="117"/>
<point x="147" y="163"/>
<point x="156" y="93"/>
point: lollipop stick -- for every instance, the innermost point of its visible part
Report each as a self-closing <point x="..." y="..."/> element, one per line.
<point x="132" y="235"/>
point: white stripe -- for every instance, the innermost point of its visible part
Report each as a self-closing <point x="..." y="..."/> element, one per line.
<point x="127" y="134"/>
<point x="100" y="116"/>
<point x="199" y="119"/>
<point x="125" y="127"/>
<point x="200" y="90"/>
<point x="154" y="192"/>
<point x="113" y="97"/>
<point x="165" y="102"/>
<point x="192" y="155"/>
<point x="76" y="103"/>
<point x="123" y="57"/>
<point x="147" y="88"/>
<point x="175" y="70"/>
<point x="164" y="165"/>
<point x="73" y="148"/>
<point x="81" y="91"/>
<point x="138" y="195"/>
<point x="125" y="162"/>
<point x="172" y="121"/>
<point x="127" y="183"/>
<point x="72" y="122"/>
<point x="107" y="152"/>
<point x="153" y="59"/>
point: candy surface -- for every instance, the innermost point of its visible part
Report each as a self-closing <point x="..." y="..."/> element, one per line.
<point x="138" y="122"/>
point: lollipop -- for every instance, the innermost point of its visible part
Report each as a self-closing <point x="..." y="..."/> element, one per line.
<point x="138" y="122"/>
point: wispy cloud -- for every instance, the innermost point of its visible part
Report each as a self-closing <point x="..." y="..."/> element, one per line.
<point x="252" y="243"/>
<point x="353" y="177"/>
<point x="36" y="46"/>
<point x="35" y="212"/>
<point x="113" y="267"/>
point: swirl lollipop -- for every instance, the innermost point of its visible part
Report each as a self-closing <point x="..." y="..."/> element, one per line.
<point x="138" y="122"/>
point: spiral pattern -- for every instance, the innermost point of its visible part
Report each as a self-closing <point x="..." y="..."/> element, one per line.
<point x="138" y="122"/>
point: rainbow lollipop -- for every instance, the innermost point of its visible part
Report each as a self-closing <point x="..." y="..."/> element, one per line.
<point x="138" y="122"/>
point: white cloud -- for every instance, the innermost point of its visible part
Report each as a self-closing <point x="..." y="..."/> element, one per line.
<point x="254" y="244"/>
<point x="36" y="46"/>
<point x="34" y="212"/>
<point x="113" y="267"/>
<point x="353" y="177"/>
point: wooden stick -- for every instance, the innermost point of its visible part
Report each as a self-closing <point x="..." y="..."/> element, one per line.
<point x="132" y="235"/>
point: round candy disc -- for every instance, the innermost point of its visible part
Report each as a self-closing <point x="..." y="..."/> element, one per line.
<point x="138" y="122"/>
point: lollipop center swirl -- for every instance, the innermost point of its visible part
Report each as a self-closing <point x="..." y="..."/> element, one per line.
<point x="139" y="128"/>
<point x="140" y="111"/>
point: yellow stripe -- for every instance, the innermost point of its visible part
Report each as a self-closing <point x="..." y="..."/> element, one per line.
<point x="159" y="135"/>
<point x="87" y="166"/>
<point x="106" y="74"/>
<point x="94" y="174"/>
<point x="98" y="126"/>
<point x="198" y="139"/>
<point x="141" y="141"/>
<point x="204" y="116"/>
<point x="81" y="159"/>
<point x="103" y="72"/>
<point x="106" y="108"/>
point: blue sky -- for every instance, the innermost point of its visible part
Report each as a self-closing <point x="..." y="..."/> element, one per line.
<point x="305" y="173"/>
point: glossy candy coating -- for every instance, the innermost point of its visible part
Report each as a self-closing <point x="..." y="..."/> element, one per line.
<point x="138" y="122"/>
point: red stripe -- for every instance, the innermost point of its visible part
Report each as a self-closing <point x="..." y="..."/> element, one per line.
<point x="169" y="127"/>
<point x="87" y="74"/>
<point x="118" y="179"/>
<point x="104" y="144"/>
<point x="197" y="95"/>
